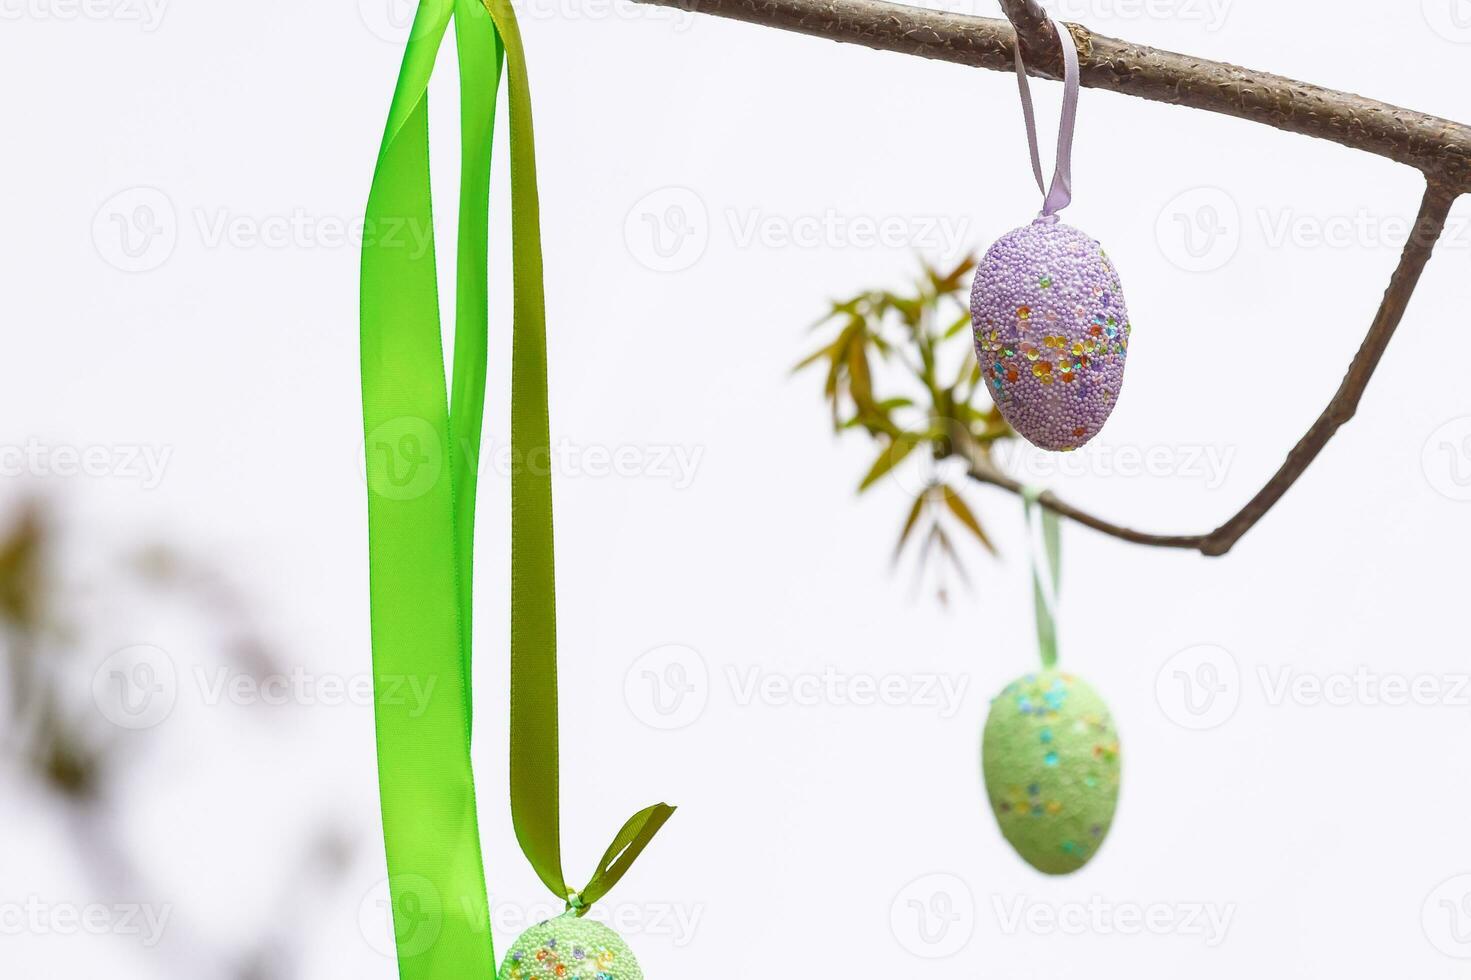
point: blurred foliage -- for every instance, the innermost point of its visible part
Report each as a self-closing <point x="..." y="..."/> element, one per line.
<point x="900" y="368"/>
<point x="59" y="741"/>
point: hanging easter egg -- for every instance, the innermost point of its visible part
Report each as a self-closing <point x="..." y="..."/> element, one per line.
<point x="1051" y="332"/>
<point x="1051" y="328"/>
<point x="1050" y="757"/>
<point x="570" y="948"/>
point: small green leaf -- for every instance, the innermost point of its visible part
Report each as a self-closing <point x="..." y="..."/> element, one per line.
<point x="970" y="371"/>
<point x="899" y="447"/>
<point x="914" y="512"/>
<point x="966" y="516"/>
<point x="814" y="357"/>
<point x="860" y="381"/>
<point x="949" y="551"/>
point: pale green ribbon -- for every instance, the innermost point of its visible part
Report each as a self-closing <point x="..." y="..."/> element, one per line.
<point x="1045" y="585"/>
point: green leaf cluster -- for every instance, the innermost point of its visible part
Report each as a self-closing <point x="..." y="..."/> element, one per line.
<point x="900" y="367"/>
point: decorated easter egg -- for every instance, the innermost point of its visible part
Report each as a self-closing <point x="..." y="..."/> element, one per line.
<point x="1050" y="757"/>
<point x="1051" y="332"/>
<point x="570" y="948"/>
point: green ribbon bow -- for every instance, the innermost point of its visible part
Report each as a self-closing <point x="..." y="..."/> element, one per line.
<point x="421" y="453"/>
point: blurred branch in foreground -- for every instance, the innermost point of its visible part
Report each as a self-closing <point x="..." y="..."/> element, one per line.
<point x="67" y="749"/>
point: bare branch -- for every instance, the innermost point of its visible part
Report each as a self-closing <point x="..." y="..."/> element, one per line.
<point x="1429" y="224"/>
<point x="983" y="471"/>
<point x="1033" y="26"/>
<point x="1427" y="231"/>
<point x="1439" y="148"/>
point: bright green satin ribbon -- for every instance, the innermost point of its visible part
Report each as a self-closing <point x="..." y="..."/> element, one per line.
<point x="421" y="451"/>
<point x="1044" y="589"/>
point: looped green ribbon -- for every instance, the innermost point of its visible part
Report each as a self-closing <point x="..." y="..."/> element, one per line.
<point x="1045" y="588"/>
<point x="422" y="450"/>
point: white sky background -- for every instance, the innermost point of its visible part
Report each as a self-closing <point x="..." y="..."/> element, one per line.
<point x="1319" y="834"/>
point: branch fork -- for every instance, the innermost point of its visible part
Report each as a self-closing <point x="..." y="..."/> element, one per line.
<point x="1439" y="148"/>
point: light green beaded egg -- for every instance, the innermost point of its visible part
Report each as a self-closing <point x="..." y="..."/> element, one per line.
<point x="1051" y="762"/>
<point x="569" y="948"/>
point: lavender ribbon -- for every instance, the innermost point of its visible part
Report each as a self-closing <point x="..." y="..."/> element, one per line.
<point x="1060" y="194"/>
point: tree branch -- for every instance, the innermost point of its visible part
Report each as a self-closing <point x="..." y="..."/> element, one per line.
<point x="1437" y="147"/>
<point x="984" y="471"/>
<point x="1429" y="224"/>
<point x="1434" y="210"/>
<point x="1033" y="26"/>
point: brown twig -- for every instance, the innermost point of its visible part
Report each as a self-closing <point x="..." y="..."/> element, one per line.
<point x="1429" y="224"/>
<point x="1032" y="25"/>
<point x="1438" y="148"/>
<point x="983" y="471"/>
<point x="1428" y="227"/>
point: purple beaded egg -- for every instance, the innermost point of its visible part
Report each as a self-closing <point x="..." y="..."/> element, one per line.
<point x="1051" y="332"/>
